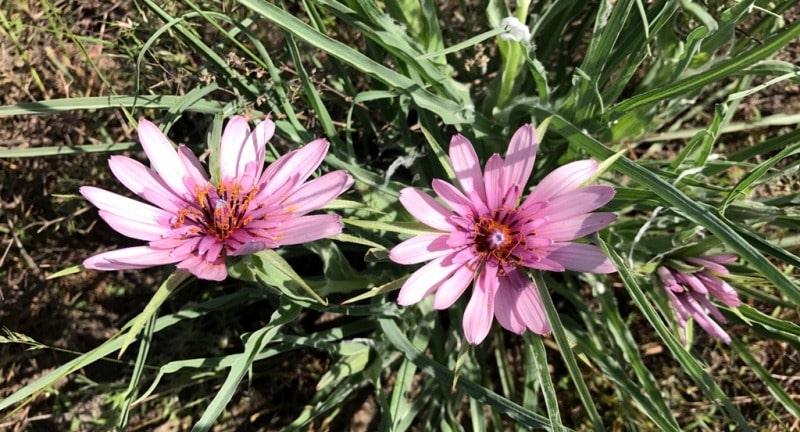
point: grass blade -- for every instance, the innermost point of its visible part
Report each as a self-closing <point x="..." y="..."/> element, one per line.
<point x="560" y="335"/>
<point x="254" y="344"/>
<point x="449" y="111"/>
<point x="537" y="353"/>
<point x="53" y="106"/>
<point x="171" y="284"/>
<point x="718" y="71"/>
<point x="445" y="378"/>
<point x="763" y="374"/>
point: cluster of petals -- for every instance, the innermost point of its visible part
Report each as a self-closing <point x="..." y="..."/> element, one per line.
<point x="689" y="292"/>
<point x="195" y="223"/>
<point x="486" y="232"/>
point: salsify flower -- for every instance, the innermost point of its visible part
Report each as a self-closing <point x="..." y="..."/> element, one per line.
<point x="483" y="233"/>
<point x="196" y="223"/>
<point x="689" y="291"/>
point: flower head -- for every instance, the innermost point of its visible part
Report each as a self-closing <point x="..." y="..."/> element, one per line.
<point x="515" y="30"/>
<point x="689" y="291"/>
<point x="196" y="223"/>
<point x="483" y="233"/>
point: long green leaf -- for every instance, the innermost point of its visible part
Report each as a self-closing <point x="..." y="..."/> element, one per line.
<point x="537" y="353"/>
<point x="716" y="72"/>
<point x="744" y="184"/>
<point x="170" y="284"/>
<point x="560" y="335"/>
<point x="445" y="378"/>
<point x="105" y="102"/>
<point x="763" y="374"/>
<point x="255" y="343"/>
<point x="114" y="344"/>
<point x="449" y="111"/>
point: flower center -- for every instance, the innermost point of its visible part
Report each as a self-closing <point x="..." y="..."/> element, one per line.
<point x="217" y="211"/>
<point x="494" y="238"/>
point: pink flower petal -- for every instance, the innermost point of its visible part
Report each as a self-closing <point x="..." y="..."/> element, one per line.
<point x="494" y="182"/>
<point x="667" y="278"/>
<point x="577" y="202"/>
<point x="234" y="147"/>
<point x="720" y="289"/>
<point x="518" y="305"/>
<point x="575" y="227"/>
<point x="704" y="321"/>
<point x="125" y="207"/>
<point x="505" y="308"/>
<point x="543" y="263"/>
<point x="425" y="209"/>
<point x="692" y="281"/>
<point x="709" y="265"/>
<point x="563" y="179"/>
<point x="163" y="157"/>
<point x="203" y="269"/>
<point x="192" y="165"/>
<point x="529" y="304"/>
<point x="317" y="193"/>
<point x="520" y="158"/>
<point x="306" y="229"/>
<point x="423" y="281"/>
<point x="721" y="258"/>
<point x="260" y="136"/>
<point x="451" y="289"/>
<point x="421" y="248"/>
<point x="144" y="182"/>
<point x="479" y="313"/>
<point x="134" y="228"/>
<point x="452" y="197"/>
<point x="299" y="164"/>
<point x="582" y="257"/>
<point x="129" y="258"/>
<point x="467" y="166"/>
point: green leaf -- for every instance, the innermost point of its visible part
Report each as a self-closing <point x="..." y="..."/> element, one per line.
<point x="378" y="290"/>
<point x="255" y="343"/>
<point x="624" y="339"/>
<point x="351" y="363"/>
<point x="565" y="347"/>
<point x="714" y="73"/>
<point x="170" y="284"/>
<point x="53" y="106"/>
<point x="780" y="394"/>
<point x="412" y="228"/>
<point x="280" y="273"/>
<point x="62" y="150"/>
<point x="445" y="377"/>
<point x="64" y="272"/>
<point x="742" y="188"/>
<point x="449" y="111"/>
<point x="538" y="355"/>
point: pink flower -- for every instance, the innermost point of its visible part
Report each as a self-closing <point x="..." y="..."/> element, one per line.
<point x="689" y="292"/>
<point x="195" y="223"/>
<point x="484" y="234"/>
